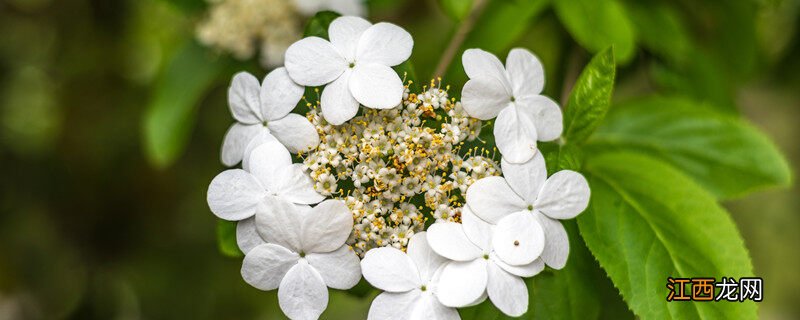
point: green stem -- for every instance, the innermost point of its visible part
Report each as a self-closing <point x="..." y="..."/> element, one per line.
<point x="458" y="38"/>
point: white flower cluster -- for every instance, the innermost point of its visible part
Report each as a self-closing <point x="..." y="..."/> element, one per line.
<point x="378" y="176"/>
<point x="392" y="165"/>
<point x="241" y="27"/>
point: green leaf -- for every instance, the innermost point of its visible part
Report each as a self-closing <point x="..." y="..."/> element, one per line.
<point x="590" y="98"/>
<point x="170" y="115"/>
<point x="723" y="153"/>
<point x="648" y="221"/>
<point x="597" y="24"/>
<point x="456" y="9"/>
<point x="700" y="77"/>
<point x="318" y="25"/>
<point x="501" y="23"/>
<point x="660" y="29"/>
<point x="226" y="239"/>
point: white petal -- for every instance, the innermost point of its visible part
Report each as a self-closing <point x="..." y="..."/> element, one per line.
<point x="384" y="43"/>
<point x="393" y="306"/>
<point x="236" y="140"/>
<point x="295" y="132"/>
<point x="428" y="307"/>
<point x="265" y="266"/>
<point x="491" y="199"/>
<point x="507" y="292"/>
<point x="564" y="195"/>
<point x="376" y="86"/>
<point x="526" y="270"/>
<point x="426" y="260"/>
<point x="247" y="236"/>
<point x="479" y="64"/>
<point x="556" y="242"/>
<point x="526" y="179"/>
<point x="314" y="61"/>
<point x="295" y="185"/>
<point x="327" y="226"/>
<point x="345" y="32"/>
<point x="545" y="115"/>
<point x="515" y="136"/>
<point x="462" y="283"/>
<point x="518" y="238"/>
<point x="302" y="294"/>
<point x="478" y="231"/>
<point x="484" y="98"/>
<point x="340" y="268"/>
<point x="390" y="269"/>
<point x="263" y="136"/>
<point x="281" y="223"/>
<point x="449" y="240"/>
<point x="279" y="94"/>
<point x="234" y="195"/>
<point x="267" y="162"/>
<point x="478" y="301"/>
<point x="525" y="72"/>
<point x="243" y="98"/>
<point x="338" y="104"/>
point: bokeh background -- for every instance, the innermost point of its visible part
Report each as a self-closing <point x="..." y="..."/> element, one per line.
<point x="95" y="224"/>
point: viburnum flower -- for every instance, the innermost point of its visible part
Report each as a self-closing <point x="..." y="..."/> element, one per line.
<point x="512" y="94"/>
<point x="409" y="281"/>
<point x="488" y="259"/>
<point x="237" y="194"/>
<point x="355" y="64"/>
<point x="305" y="253"/>
<point x="266" y="108"/>
<point x="526" y="189"/>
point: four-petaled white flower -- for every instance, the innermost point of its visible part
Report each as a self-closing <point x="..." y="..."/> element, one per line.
<point x="305" y="253"/>
<point x="488" y="260"/>
<point x="409" y="282"/>
<point x="512" y="94"/>
<point x="237" y="194"/>
<point x="345" y="7"/>
<point x="266" y="108"/>
<point x="526" y="189"/>
<point x="355" y="64"/>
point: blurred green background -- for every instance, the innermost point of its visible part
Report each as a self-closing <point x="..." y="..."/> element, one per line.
<point x="108" y="144"/>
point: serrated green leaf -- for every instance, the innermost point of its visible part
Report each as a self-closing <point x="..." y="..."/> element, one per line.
<point x="648" y="221"/>
<point x="590" y="98"/>
<point x="597" y="24"/>
<point x="318" y="25"/>
<point x="723" y="153"/>
<point x="170" y="115"/>
<point x="226" y="239"/>
<point x="456" y="9"/>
